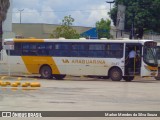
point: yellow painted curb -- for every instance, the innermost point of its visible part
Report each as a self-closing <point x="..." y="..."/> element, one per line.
<point x="18" y="83"/>
<point x="35" y="84"/>
<point x="3" y="84"/>
<point x="27" y="83"/>
<point x="8" y="83"/>
<point x="14" y="85"/>
<point x="24" y="85"/>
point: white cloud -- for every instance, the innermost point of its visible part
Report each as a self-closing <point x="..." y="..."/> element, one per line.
<point x="85" y="12"/>
<point x="97" y="15"/>
<point x="91" y="17"/>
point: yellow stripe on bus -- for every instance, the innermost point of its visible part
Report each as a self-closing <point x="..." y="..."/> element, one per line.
<point x="33" y="64"/>
<point x="28" y="40"/>
<point x="151" y="68"/>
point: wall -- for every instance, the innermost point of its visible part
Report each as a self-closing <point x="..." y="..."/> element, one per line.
<point x="38" y="30"/>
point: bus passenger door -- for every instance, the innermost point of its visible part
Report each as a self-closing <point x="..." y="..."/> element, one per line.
<point x="133" y="68"/>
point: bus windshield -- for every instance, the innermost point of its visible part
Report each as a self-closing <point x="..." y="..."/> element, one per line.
<point x="158" y="54"/>
<point x="150" y="56"/>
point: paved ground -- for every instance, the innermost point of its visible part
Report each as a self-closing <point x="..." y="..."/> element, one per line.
<point x="82" y="94"/>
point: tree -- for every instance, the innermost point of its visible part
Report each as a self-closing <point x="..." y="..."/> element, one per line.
<point x="143" y="13"/>
<point x="4" y="5"/>
<point x="103" y="28"/>
<point x="65" y="30"/>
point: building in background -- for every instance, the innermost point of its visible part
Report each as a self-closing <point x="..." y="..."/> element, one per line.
<point x="90" y="34"/>
<point x="7" y="24"/>
<point x="38" y="30"/>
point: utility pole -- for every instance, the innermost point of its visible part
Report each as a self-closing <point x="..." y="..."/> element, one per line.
<point x="20" y="11"/>
<point x="133" y="30"/>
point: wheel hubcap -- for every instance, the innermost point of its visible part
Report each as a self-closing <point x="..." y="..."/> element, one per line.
<point x="46" y="73"/>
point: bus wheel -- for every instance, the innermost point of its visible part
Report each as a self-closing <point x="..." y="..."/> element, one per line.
<point x="46" y="72"/>
<point x="157" y="78"/>
<point x="59" y="77"/>
<point x="115" y="74"/>
<point x="128" y="78"/>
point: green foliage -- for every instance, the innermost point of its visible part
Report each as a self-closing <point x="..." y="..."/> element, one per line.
<point x="67" y="21"/>
<point x="103" y="28"/>
<point x="145" y="14"/>
<point x="4" y="5"/>
<point x="65" y="30"/>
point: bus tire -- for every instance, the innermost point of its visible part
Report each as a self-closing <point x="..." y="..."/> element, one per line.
<point x="59" y="77"/>
<point x="46" y="72"/>
<point x="157" y="78"/>
<point x="115" y="74"/>
<point x="128" y="78"/>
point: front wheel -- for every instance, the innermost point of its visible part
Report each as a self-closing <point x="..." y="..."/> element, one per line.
<point x="46" y="72"/>
<point x="115" y="74"/>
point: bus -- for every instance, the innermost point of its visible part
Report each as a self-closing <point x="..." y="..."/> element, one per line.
<point x="158" y="57"/>
<point x="56" y="58"/>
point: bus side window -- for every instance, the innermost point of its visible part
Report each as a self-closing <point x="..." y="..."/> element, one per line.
<point x="62" y="49"/>
<point x="79" y="50"/>
<point x="96" y="50"/>
<point x="49" y="46"/>
<point x="114" y="50"/>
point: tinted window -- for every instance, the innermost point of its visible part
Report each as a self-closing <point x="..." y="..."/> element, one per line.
<point x="41" y="46"/>
<point x="49" y="46"/>
<point x="25" y="46"/>
<point x="17" y="46"/>
<point x="79" y="50"/>
<point x="80" y="46"/>
<point x="114" y="50"/>
<point x="97" y="47"/>
<point x="96" y="50"/>
<point x="62" y="46"/>
<point x="62" y="50"/>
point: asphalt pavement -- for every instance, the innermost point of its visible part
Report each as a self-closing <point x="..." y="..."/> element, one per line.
<point x="81" y="94"/>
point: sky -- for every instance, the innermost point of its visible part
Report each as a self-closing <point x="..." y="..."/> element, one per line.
<point x="85" y="12"/>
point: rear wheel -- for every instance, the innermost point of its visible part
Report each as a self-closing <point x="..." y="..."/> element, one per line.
<point x="115" y="74"/>
<point x="128" y="78"/>
<point x="59" y="77"/>
<point x="46" y="72"/>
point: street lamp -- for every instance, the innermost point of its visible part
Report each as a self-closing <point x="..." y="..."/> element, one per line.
<point x="110" y="2"/>
<point x="20" y="11"/>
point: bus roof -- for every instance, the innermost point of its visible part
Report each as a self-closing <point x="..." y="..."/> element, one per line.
<point x="77" y="40"/>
